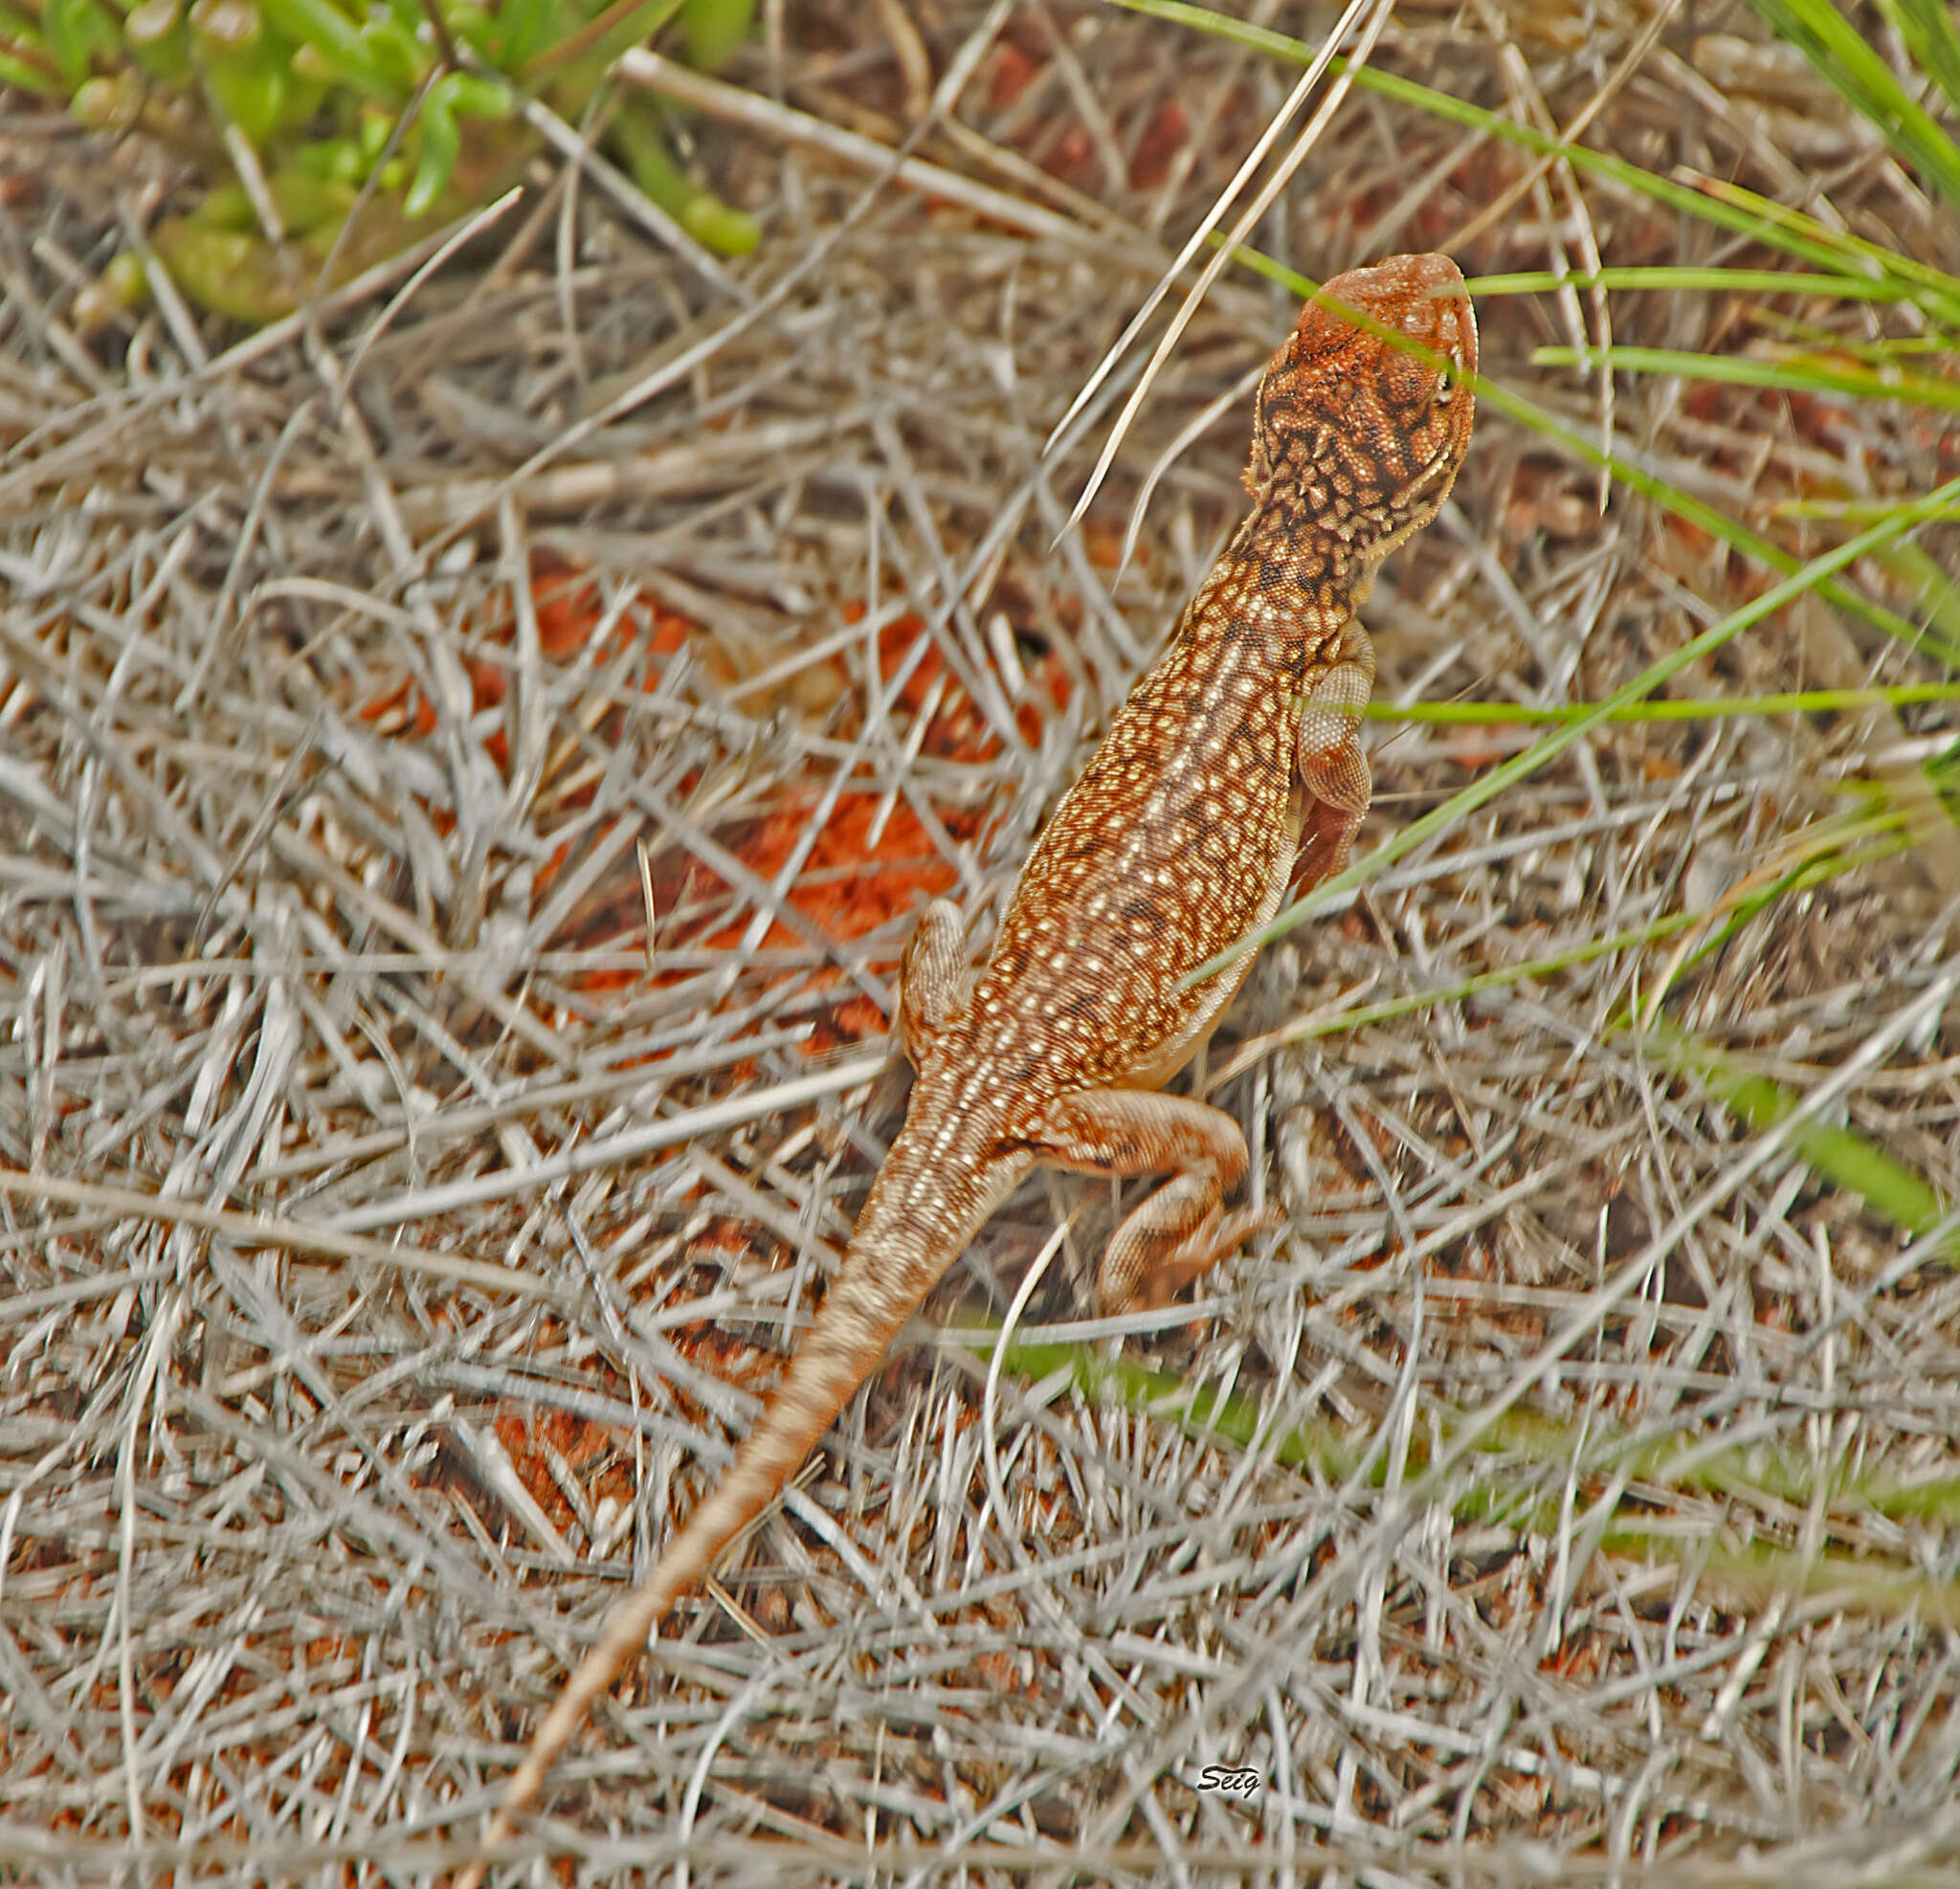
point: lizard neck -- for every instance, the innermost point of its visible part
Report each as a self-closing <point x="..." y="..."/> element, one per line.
<point x="1290" y="575"/>
<point x="1270" y="606"/>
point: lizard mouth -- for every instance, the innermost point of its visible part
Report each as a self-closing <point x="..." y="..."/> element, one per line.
<point x="1434" y="471"/>
<point x="1455" y="381"/>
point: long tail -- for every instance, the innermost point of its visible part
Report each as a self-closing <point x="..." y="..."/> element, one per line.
<point x="913" y="1226"/>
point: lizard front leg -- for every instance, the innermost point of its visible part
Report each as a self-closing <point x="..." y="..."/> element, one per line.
<point x="1328" y="756"/>
<point x="1183" y="1228"/>
<point x="935" y="980"/>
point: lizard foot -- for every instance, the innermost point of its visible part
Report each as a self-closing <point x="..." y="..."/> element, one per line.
<point x="1183" y="1228"/>
<point x="1140" y="1273"/>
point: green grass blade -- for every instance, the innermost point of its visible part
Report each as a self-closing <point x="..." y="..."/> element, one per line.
<point x="1802" y="701"/>
<point x="1390" y="1008"/>
<point x="1928" y="30"/>
<point x="1694" y="281"/>
<point x="1707" y="199"/>
<point x="1937" y="289"/>
<point x="1799" y="374"/>
<point x="1718" y="524"/>
<point x="1937" y="592"/>
<point x="1869" y="1583"/>
<point x="1848" y="1159"/>
<point x="1843" y="55"/>
<point x="1817" y="853"/>
<point x="1834" y="849"/>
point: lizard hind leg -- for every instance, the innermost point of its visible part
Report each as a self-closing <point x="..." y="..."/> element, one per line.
<point x="935" y="980"/>
<point x="1185" y="1228"/>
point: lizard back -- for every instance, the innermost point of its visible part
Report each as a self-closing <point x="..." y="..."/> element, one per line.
<point x="1178" y="836"/>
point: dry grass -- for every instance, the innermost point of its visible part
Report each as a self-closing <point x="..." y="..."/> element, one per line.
<point x="1577" y="1492"/>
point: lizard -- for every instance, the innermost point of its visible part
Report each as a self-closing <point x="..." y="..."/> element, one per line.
<point x="1235" y="756"/>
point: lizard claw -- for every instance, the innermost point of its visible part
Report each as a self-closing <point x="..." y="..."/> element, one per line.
<point x="1132" y="1280"/>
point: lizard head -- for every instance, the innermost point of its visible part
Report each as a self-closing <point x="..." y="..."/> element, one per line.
<point x="1357" y="441"/>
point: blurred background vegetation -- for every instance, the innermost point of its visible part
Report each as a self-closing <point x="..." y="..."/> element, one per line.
<point x="349" y="130"/>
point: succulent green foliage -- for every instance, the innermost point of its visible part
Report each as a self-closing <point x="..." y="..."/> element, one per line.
<point x="714" y="30"/>
<point x="71" y="32"/>
<point x="454" y="94"/>
<point x="417" y="102"/>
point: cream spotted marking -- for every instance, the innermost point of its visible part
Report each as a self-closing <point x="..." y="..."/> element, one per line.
<point x="1234" y="760"/>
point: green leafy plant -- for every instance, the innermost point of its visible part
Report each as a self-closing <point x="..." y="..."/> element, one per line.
<point x="368" y="125"/>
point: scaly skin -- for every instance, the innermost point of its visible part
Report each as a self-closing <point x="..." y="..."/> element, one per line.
<point x="1235" y="756"/>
